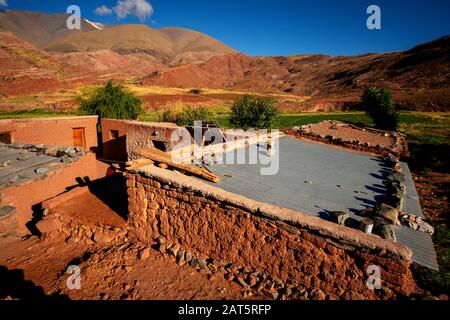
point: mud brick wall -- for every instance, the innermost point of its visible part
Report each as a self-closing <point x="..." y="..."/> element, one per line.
<point x="114" y="148"/>
<point x="51" y="131"/>
<point x="144" y="135"/>
<point x="25" y="195"/>
<point x="214" y="224"/>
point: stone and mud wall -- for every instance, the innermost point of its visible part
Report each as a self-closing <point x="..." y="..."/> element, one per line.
<point x="267" y="249"/>
<point x="142" y="135"/>
<point x="133" y="135"/>
<point x="352" y="137"/>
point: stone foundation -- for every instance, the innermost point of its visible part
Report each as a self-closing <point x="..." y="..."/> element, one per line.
<point x="57" y="224"/>
<point x="293" y="248"/>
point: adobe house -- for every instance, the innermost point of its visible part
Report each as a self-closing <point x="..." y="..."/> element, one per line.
<point x="40" y="159"/>
<point x="258" y="227"/>
<point x="121" y="137"/>
<point x="57" y="131"/>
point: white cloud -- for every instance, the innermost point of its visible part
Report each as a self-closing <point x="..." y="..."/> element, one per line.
<point x="102" y="11"/>
<point x="139" y="8"/>
<point x="3" y="3"/>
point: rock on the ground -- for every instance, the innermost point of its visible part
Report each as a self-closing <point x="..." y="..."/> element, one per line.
<point x="6" y="211"/>
<point x="144" y="254"/>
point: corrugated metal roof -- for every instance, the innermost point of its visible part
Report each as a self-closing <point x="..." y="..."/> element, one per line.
<point x="421" y="245"/>
<point x="315" y="178"/>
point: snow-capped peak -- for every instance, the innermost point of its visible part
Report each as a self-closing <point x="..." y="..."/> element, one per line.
<point x="96" y="25"/>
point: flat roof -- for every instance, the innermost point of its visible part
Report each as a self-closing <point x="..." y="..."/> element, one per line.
<point x="19" y="171"/>
<point x="316" y="178"/>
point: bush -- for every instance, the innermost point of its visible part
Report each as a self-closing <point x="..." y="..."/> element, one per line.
<point x="112" y="102"/>
<point x="437" y="282"/>
<point x="185" y="116"/>
<point x="252" y="112"/>
<point x="380" y="108"/>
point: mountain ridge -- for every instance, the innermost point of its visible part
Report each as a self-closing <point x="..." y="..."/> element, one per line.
<point x="178" y="57"/>
<point x="49" y="32"/>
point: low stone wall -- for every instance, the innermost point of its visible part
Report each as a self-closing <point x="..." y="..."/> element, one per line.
<point x="57" y="223"/>
<point x="293" y="248"/>
<point x="56" y="226"/>
<point x="398" y="146"/>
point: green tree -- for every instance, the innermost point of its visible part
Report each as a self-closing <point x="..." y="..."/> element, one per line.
<point x="185" y="116"/>
<point x="380" y="108"/>
<point x="112" y="102"/>
<point x="252" y="112"/>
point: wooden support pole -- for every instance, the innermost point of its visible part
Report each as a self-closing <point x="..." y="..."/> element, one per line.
<point x="162" y="157"/>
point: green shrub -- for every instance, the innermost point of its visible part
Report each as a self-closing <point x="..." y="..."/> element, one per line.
<point x="380" y="107"/>
<point x="437" y="282"/>
<point x="252" y="112"/>
<point x="185" y="116"/>
<point x="112" y="102"/>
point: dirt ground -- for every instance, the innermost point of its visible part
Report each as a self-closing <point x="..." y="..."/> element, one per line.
<point x="35" y="269"/>
<point x="347" y="132"/>
<point x="120" y="269"/>
<point x="163" y="100"/>
<point x="434" y="190"/>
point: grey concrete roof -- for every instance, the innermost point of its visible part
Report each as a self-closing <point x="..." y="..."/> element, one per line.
<point x="316" y="179"/>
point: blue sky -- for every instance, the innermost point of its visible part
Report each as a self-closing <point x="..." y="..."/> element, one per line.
<point x="284" y="27"/>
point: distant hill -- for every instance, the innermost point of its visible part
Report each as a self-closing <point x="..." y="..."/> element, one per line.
<point x="49" y="32"/>
<point x="185" y="40"/>
<point x="419" y="78"/>
<point x="39" y="28"/>
<point x="164" y="44"/>
<point x="27" y="69"/>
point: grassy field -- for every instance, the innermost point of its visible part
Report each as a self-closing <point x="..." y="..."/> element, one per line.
<point x="37" y="113"/>
<point x="68" y="99"/>
<point x="421" y="127"/>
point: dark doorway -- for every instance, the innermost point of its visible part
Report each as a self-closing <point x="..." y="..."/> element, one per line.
<point x="5" y="137"/>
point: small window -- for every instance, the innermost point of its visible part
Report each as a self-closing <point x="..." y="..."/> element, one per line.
<point x="160" y="145"/>
<point x="114" y="134"/>
<point x="5" y="137"/>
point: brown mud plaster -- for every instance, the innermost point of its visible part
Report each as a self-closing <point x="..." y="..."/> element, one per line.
<point x="215" y="224"/>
